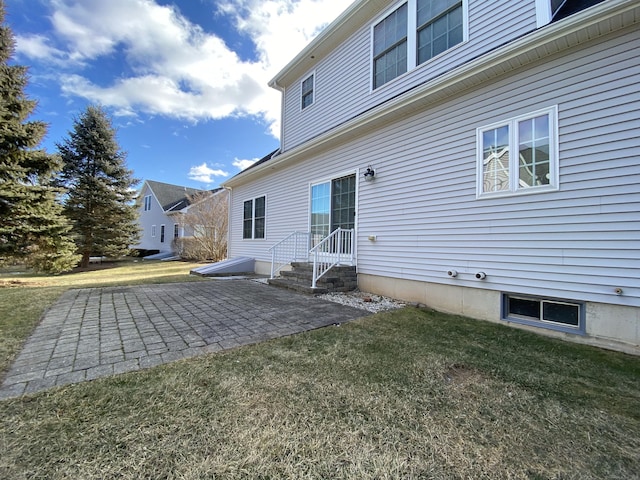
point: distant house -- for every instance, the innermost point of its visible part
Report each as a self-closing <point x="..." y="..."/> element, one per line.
<point x="482" y="158"/>
<point x="160" y="206"/>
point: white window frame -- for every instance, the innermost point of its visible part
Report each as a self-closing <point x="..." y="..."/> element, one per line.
<point x="147" y="203"/>
<point x="253" y="218"/>
<point x="512" y="123"/>
<point x="311" y="76"/>
<point x="153" y="231"/>
<point x="412" y="40"/>
<point x="163" y="233"/>
<point x="176" y="230"/>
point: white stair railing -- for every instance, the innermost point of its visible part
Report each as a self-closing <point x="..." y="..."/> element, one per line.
<point x="336" y="249"/>
<point x="294" y="247"/>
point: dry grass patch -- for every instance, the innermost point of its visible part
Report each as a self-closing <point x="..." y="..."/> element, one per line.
<point x="404" y="394"/>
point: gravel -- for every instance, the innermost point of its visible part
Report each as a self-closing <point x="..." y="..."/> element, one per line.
<point x="357" y="299"/>
<point x="365" y="301"/>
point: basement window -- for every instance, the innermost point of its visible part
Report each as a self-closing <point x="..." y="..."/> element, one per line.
<point x="562" y="315"/>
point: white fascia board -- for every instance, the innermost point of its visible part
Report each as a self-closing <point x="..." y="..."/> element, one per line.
<point x="335" y="33"/>
<point x="537" y="45"/>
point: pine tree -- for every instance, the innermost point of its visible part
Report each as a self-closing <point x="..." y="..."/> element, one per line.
<point x="101" y="188"/>
<point x="32" y="227"/>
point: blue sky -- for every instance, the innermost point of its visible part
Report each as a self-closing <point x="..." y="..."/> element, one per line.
<point x="184" y="81"/>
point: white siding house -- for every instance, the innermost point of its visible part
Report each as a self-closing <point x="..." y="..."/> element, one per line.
<point x="507" y="164"/>
<point x="158" y="215"/>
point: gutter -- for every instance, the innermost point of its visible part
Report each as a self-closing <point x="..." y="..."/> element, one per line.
<point x="521" y="51"/>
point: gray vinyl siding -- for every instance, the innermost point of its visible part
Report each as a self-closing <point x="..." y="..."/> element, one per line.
<point x="343" y="79"/>
<point x="580" y="242"/>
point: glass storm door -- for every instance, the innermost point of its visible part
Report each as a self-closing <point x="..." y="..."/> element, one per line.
<point x="333" y="205"/>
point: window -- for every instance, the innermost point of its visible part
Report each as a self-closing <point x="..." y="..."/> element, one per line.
<point x="439" y="27"/>
<point x="153" y="231"/>
<point x="147" y="203"/>
<point x="307" y="91"/>
<point x="176" y="231"/>
<point x="390" y="47"/>
<point x="414" y="33"/>
<point x="161" y="233"/>
<point x="254" y="216"/>
<point x="563" y="315"/>
<point x="518" y="155"/>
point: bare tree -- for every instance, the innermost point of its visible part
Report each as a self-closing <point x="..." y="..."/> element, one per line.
<point x="205" y="224"/>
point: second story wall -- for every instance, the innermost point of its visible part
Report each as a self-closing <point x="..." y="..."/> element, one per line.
<point x="342" y="81"/>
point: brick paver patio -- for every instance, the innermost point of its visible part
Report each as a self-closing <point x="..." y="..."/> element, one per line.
<point x="95" y="332"/>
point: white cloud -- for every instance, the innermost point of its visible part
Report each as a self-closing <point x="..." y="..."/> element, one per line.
<point x="243" y="164"/>
<point x="175" y="68"/>
<point x="202" y="173"/>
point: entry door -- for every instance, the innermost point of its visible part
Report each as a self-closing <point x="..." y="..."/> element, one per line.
<point x="333" y="205"/>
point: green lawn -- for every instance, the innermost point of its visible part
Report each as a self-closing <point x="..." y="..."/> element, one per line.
<point x="405" y="394"/>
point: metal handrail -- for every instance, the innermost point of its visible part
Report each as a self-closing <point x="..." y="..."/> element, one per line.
<point x="294" y="247"/>
<point x="335" y="249"/>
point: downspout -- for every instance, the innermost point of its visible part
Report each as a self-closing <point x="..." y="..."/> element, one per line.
<point x="228" y="189"/>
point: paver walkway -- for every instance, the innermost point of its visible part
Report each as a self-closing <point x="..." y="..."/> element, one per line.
<point x="95" y="332"/>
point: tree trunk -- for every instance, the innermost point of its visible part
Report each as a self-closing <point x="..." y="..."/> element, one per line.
<point x="84" y="263"/>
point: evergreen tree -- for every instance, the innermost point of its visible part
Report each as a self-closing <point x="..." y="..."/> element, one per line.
<point x="100" y="202"/>
<point x="32" y="227"/>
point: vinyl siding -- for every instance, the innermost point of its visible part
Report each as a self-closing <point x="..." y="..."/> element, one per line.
<point x="580" y="242"/>
<point x="343" y="79"/>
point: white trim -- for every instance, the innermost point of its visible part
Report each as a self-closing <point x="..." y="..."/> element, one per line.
<point x="253" y="218"/>
<point x="543" y="13"/>
<point x="512" y="123"/>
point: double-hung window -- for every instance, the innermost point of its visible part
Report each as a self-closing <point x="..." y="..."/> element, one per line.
<point x="254" y="215"/>
<point x="307" y="91"/>
<point x="390" y="47"/>
<point x="519" y="155"/>
<point x="439" y="27"/>
<point x="413" y="33"/>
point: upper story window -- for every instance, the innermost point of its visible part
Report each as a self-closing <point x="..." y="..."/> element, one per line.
<point x="390" y="47"/>
<point x="147" y="202"/>
<point x="254" y="216"/>
<point x="308" y="85"/>
<point x="413" y="33"/>
<point x="519" y="154"/>
<point x="439" y="27"/>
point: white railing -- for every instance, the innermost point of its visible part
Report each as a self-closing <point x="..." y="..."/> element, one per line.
<point x="336" y="249"/>
<point x="293" y="248"/>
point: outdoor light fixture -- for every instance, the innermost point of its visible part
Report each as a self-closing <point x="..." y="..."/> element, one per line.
<point x="369" y="174"/>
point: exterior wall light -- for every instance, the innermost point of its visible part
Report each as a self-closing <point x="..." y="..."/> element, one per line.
<point x="481" y="275"/>
<point x="369" y="174"/>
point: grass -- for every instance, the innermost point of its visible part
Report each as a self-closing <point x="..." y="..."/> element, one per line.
<point x="406" y="394"/>
<point x="25" y="296"/>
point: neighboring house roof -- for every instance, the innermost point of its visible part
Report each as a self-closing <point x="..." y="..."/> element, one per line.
<point x="172" y="198"/>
